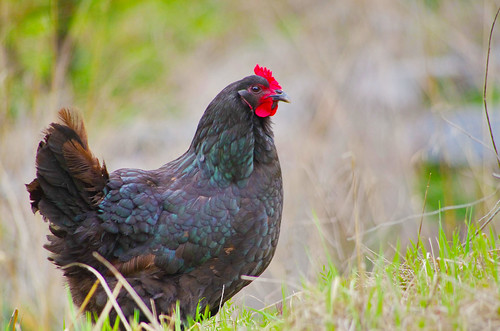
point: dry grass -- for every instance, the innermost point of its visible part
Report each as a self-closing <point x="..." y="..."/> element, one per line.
<point x="362" y="75"/>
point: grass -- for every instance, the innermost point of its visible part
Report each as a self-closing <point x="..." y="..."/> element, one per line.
<point x="451" y="284"/>
<point x="444" y="284"/>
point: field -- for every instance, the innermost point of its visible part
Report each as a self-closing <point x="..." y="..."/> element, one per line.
<point x="385" y="146"/>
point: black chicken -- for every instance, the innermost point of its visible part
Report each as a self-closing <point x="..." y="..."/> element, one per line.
<point x="185" y="232"/>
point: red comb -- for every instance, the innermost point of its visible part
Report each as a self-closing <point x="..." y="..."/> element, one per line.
<point x="267" y="74"/>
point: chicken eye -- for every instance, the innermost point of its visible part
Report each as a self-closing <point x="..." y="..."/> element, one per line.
<point x="255" y="89"/>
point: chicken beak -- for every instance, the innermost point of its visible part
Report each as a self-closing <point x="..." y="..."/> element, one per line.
<point x="280" y="96"/>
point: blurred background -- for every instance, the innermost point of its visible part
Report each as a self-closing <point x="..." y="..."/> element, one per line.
<point x="386" y="94"/>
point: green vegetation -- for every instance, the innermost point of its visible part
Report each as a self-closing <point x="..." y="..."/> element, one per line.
<point x="74" y="47"/>
<point x="447" y="283"/>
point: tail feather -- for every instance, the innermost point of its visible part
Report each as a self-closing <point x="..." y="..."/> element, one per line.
<point x="69" y="179"/>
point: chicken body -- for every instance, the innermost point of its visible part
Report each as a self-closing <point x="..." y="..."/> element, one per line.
<point x="184" y="232"/>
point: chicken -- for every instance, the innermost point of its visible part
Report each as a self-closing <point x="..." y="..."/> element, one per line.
<point x="185" y="232"/>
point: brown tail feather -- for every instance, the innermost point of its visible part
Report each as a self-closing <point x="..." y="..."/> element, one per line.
<point x="69" y="179"/>
<point x="74" y="122"/>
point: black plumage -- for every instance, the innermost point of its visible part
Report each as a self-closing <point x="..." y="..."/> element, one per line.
<point x="186" y="231"/>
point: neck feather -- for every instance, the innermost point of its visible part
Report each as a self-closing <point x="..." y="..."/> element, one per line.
<point x="230" y="142"/>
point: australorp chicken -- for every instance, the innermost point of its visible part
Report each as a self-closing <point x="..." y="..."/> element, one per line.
<point x="184" y="232"/>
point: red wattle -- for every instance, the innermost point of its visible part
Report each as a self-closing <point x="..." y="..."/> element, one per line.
<point x="265" y="109"/>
